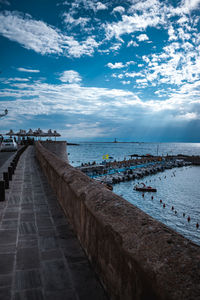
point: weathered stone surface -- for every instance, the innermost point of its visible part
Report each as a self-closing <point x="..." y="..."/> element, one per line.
<point x="27" y="279"/>
<point x="27" y="258"/>
<point x="6" y="263"/>
<point x="130" y="251"/>
<point x="56" y="276"/>
<point x="34" y="240"/>
<point x="33" y="294"/>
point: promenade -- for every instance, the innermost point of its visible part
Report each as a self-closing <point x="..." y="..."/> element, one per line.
<point x="40" y="256"/>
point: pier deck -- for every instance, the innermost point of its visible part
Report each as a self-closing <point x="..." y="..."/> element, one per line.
<point x="40" y="257"/>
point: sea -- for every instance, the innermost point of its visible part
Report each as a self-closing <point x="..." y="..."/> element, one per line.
<point x="178" y="188"/>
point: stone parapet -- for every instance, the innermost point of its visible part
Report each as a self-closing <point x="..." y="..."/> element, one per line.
<point x="135" y="256"/>
<point x="59" y="148"/>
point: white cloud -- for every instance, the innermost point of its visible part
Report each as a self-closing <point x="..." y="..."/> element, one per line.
<point x="134" y="22"/>
<point x="84" y="130"/>
<point x="133" y="74"/>
<point x="28" y="70"/>
<point x="117" y="65"/>
<point x="107" y="105"/>
<point x="171" y="32"/>
<point x="69" y="19"/>
<point x="188" y="116"/>
<point x="186" y="7"/>
<point x="76" y="49"/>
<point x="119" y="9"/>
<point x="70" y="77"/>
<point x="126" y="82"/>
<point x="142" y="37"/>
<point x="32" y="34"/>
<point x="42" y="38"/>
<point x="132" y="43"/>
<point x="100" y="6"/>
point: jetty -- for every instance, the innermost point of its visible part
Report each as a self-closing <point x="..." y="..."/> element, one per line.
<point x="66" y="236"/>
<point x="126" y="170"/>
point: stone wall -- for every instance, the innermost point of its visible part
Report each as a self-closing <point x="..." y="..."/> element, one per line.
<point x="59" y="148"/>
<point x="135" y="256"/>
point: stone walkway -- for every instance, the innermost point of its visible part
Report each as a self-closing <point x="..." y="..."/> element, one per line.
<point x="40" y="257"/>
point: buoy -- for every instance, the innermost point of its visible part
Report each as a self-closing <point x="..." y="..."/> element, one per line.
<point x="172" y="208"/>
<point x="143" y="195"/>
<point x="188" y="218"/>
<point x="152" y="197"/>
<point x="175" y="212"/>
<point x="160" y="201"/>
<point x="183" y="214"/>
<point x="197" y="225"/>
<point x="164" y="205"/>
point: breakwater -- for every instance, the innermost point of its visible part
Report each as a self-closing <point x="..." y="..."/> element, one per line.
<point x="126" y="170"/>
<point x="135" y="256"/>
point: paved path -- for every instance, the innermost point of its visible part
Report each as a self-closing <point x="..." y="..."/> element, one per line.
<point x="4" y="156"/>
<point x="40" y="257"/>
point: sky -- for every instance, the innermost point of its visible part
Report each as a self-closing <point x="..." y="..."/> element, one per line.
<point x="98" y="70"/>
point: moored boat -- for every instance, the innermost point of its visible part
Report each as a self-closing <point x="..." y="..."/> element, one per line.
<point x="143" y="188"/>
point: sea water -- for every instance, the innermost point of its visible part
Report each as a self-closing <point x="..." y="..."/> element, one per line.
<point x="89" y="152"/>
<point x="178" y="188"/>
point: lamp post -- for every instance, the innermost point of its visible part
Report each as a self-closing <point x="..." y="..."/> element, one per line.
<point x="5" y="113"/>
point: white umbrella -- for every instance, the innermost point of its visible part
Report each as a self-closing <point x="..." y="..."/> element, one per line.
<point x="21" y="132"/>
<point x="55" y="133"/>
<point x="30" y="133"/>
<point x="11" y="133"/>
<point x="50" y="133"/>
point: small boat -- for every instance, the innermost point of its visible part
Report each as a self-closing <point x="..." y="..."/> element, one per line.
<point x="143" y="188"/>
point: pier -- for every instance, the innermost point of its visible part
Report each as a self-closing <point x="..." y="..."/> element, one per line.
<point x="40" y="255"/>
<point x="65" y="236"/>
<point x="126" y="170"/>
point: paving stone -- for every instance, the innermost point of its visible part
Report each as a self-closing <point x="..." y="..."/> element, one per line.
<point x="63" y="295"/>
<point x="48" y="242"/>
<point x="83" y="277"/>
<point x="5" y="280"/>
<point x="64" y="231"/>
<point x="8" y="248"/>
<point x="5" y="293"/>
<point x="51" y="254"/>
<point x="11" y="215"/>
<point x="8" y="236"/>
<point x="28" y="207"/>
<point x="50" y="263"/>
<point x="56" y="275"/>
<point x="41" y="214"/>
<point x="46" y="231"/>
<point x="27" y="216"/>
<point x="27" y="241"/>
<point x="11" y="224"/>
<point x="34" y="294"/>
<point x="12" y="209"/>
<point x="44" y="222"/>
<point x="27" y="199"/>
<point x="28" y="280"/>
<point x="6" y="263"/>
<point x="27" y="228"/>
<point x="71" y="248"/>
<point x="27" y="258"/>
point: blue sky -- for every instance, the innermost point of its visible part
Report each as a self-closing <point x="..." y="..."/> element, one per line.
<point x="96" y="70"/>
